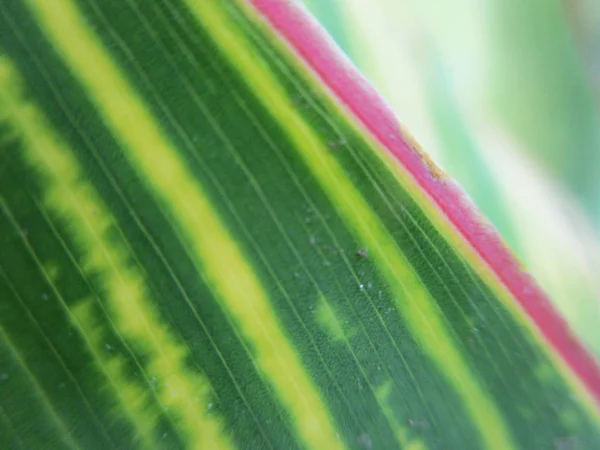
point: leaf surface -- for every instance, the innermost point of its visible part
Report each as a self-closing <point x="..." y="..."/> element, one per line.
<point x="214" y="235"/>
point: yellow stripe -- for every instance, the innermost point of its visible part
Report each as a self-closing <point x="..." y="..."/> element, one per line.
<point x="413" y="300"/>
<point x="89" y="222"/>
<point x="222" y="262"/>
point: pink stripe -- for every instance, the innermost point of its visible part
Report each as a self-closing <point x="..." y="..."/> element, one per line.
<point x="322" y="55"/>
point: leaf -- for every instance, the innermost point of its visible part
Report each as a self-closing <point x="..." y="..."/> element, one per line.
<point x="214" y="235"/>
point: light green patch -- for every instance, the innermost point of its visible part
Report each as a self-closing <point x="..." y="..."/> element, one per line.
<point x="526" y="412"/>
<point x="401" y="432"/>
<point x="52" y="270"/>
<point x="415" y="444"/>
<point x="327" y="317"/>
<point x="544" y="373"/>
<point x="383" y="392"/>
<point x="570" y="418"/>
<point x="471" y="321"/>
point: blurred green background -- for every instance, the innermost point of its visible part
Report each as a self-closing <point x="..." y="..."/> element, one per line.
<point x="505" y="95"/>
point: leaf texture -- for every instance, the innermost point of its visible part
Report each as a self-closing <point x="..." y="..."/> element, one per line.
<point x="205" y="245"/>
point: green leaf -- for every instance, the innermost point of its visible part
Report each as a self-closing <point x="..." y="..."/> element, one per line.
<point x="213" y="235"/>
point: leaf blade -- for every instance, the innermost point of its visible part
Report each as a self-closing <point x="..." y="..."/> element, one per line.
<point x="264" y="220"/>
